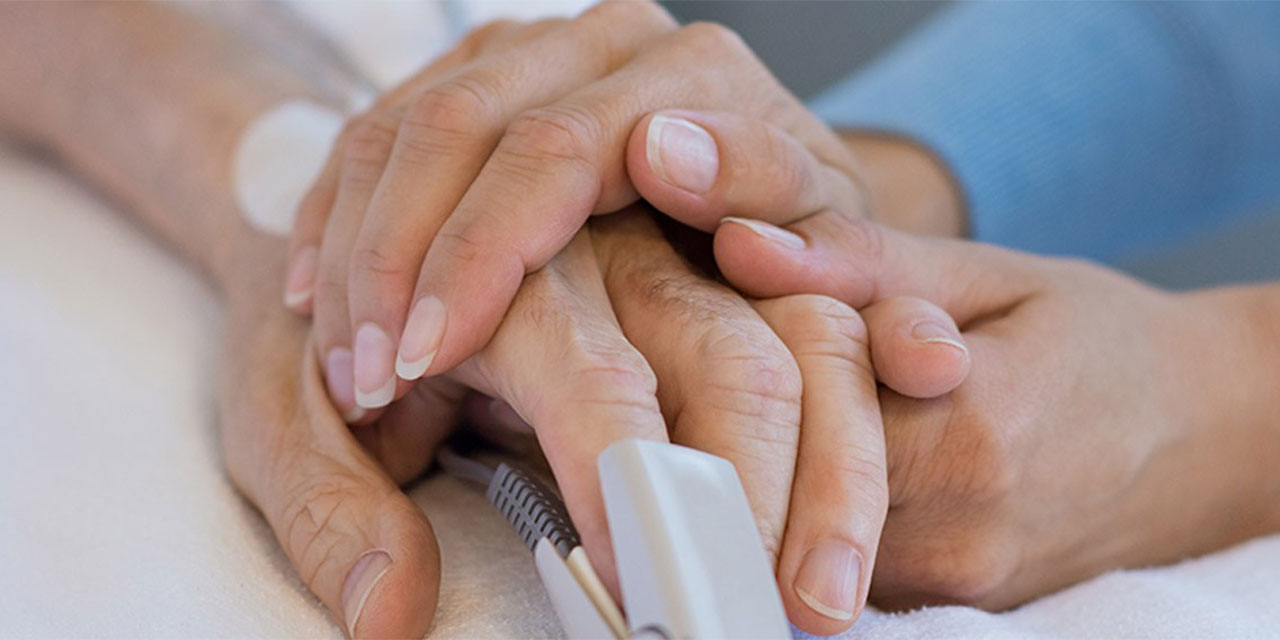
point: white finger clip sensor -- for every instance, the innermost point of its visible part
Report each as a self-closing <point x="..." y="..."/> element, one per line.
<point x="690" y="560"/>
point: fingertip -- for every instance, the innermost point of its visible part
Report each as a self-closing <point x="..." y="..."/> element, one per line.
<point x="916" y="348"/>
<point x="674" y="163"/>
<point x="300" y="279"/>
<point x="760" y="259"/>
<point x="393" y="591"/>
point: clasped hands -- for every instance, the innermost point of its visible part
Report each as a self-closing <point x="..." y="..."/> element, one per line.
<point x="927" y="411"/>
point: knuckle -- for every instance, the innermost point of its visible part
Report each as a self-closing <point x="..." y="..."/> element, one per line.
<point x="482" y="35"/>
<point x="823" y="327"/>
<point x="712" y="38"/>
<point x="610" y="374"/>
<point x="366" y="145"/>
<point x="558" y="134"/>
<point x="451" y="111"/>
<point x="756" y="378"/>
<point x="630" y="12"/>
<point x="374" y="262"/>
<point x="310" y="519"/>
<point x="462" y="244"/>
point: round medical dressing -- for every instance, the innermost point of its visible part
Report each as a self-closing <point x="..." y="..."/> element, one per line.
<point x="279" y="156"/>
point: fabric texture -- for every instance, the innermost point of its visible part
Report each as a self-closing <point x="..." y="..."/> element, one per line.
<point x="1093" y="129"/>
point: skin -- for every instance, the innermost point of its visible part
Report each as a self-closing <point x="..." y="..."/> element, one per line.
<point x="332" y="496"/>
<point x="1036" y="473"/>
<point x="331" y="500"/>
<point x="1082" y="441"/>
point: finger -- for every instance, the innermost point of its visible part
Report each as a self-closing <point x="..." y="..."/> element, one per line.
<point x="554" y="166"/>
<point x="304" y="241"/>
<point x="726" y="383"/>
<point x="358" y="543"/>
<point x="916" y="347"/>
<point x="840" y="496"/>
<point x="602" y="390"/>
<point x="443" y="140"/>
<point x="312" y="216"/>
<point x="701" y="166"/>
<point x="859" y="262"/>
<point x="363" y="147"/>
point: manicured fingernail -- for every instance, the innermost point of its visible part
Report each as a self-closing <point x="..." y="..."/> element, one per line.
<point x="931" y="332"/>
<point x="682" y="153"/>
<point x="339" y="375"/>
<point x="374" y="383"/>
<point x="421" y="339"/>
<point x="828" y="579"/>
<point x="769" y="232"/>
<point x="300" y="280"/>
<point x="360" y="582"/>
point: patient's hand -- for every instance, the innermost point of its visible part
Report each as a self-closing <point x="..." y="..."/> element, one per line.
<point x="582" y="377"/>
<point x="438" y="200"/>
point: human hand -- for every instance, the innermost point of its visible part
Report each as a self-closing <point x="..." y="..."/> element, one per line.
<point x="1071" y="415"/>
<point x="725" y="381"/>
<point x="437" y="201"/>
<point x="1105" y="424"/>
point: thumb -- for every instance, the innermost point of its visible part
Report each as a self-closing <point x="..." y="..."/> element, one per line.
<point x="701" y="166"/>
<point x="860" y="263"/>
<point x="358" y="543"/>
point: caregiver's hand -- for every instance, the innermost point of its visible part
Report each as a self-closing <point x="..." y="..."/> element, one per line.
<point x="437" y="201"/>
<point x="1104" y="425"/>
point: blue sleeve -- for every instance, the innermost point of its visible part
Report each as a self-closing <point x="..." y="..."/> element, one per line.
<point x="1091" y="129"/>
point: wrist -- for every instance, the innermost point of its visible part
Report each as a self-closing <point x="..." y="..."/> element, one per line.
<point x="1237" y="369"/>
<point x="910" y="188"/>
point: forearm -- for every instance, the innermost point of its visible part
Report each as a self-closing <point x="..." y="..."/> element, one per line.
<point x="147" y="102"/>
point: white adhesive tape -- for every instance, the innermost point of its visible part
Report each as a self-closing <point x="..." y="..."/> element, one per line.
<point x="280" y="155"/>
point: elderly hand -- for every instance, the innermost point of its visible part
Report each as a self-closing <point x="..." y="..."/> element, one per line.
<point x="703" y="358"/>
<point x="437" y="201"/>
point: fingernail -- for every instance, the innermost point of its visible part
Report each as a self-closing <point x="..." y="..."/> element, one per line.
<point x="421" y="339"/>
<point x="769" y="232"/>
<point x="374" y="383"/>
<point x="360" y="582"/>
<point x="300" y="280"/>
<point x="682" y="153"/>
<point x="828" y="579"/>
<point x="931" y="332"/>
<point x="339" y="375"/>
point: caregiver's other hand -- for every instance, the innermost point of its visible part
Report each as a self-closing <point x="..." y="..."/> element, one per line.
<point x="442" y="197"/>
<point x="1105" y="424"/>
